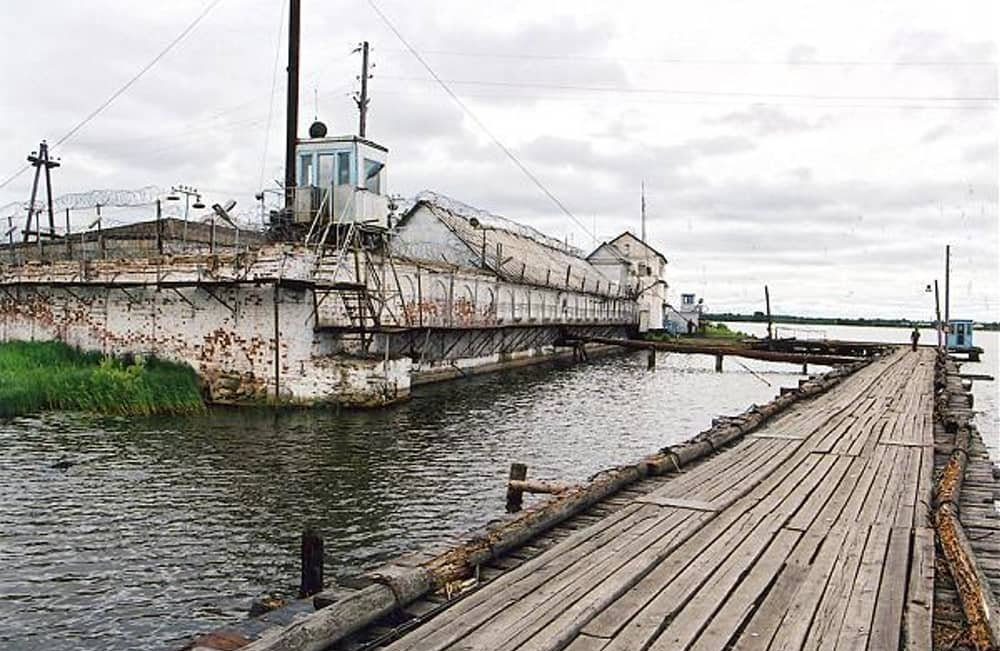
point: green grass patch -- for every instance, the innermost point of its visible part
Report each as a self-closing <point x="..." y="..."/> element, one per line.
<point x="39" y="376"/>
<point x="722" y="331"/>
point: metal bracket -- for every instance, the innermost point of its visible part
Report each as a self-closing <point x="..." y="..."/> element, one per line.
<point x="211" y="292"/>
<point x="184" y="298"/>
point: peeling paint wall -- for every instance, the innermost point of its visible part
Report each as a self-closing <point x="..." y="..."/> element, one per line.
<point x="226" y="334"/>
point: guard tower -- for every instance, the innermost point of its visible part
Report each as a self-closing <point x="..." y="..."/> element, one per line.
<point x="340" y="179"/>
<point x="959" y="334"/>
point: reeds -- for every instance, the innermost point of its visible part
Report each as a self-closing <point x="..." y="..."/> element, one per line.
<point x="38" y="376"/>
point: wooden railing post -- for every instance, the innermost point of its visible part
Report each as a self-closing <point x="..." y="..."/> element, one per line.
<point x="312" y="564"/>
<point x="518" y="471"/>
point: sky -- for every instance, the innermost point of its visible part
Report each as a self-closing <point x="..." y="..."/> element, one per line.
<point x="827" y="150"/>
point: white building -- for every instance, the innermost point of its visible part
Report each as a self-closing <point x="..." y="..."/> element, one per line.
<point x="642" y="269"/>
<point x="686" y="317"/>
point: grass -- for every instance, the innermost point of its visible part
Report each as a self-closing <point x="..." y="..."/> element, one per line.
<point x="38" y="376"/>
<point x="722" y="331"/>
<point x="708" y="330"/>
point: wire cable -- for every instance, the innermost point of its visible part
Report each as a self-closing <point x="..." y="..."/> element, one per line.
<point x="707" y="93"/>
<point x="708" y="62"/>
<point x="521" y="166"/>
<point x="118" y="93"/>
<point x="274" y="85"/>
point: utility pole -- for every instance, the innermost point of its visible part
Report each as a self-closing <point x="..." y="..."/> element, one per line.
<point x="292" y="105"/>
<point x="767" y="303"/>
<point x="937" y="314"/>
<point x="642" y="211"/>
<point x="39" y="160"/>
<point x="361" y="99"/>
<point x="947" y="283"/>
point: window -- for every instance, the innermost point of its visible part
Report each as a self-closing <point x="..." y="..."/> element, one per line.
<point x="344" y="168"/>
<point x="325" y="170"/>
<point x="306" y="170"/>
<point x="373" y="176"/>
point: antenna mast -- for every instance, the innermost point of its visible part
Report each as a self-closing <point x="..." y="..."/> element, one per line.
<point x="292" y="106"/>
<point x="642" y="194"/>
<point x="361" y="99"/>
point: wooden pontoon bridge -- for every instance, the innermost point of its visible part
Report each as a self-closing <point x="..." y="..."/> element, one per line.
<point x="853" y="512"/>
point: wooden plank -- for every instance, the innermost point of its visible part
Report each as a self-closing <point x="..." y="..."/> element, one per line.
<point x="477" y="608"/>
<point x="597" y="585"/>
<point x="584" y="642"/>
<point x="661" y="599"/>
<point x="678" y="503"/>
<point x="857" y="620"/>
<point x="920" y="593"/>
<point x="740" y="602"/>
<point x="795" y="625"/>
<point x="888" y="621"/>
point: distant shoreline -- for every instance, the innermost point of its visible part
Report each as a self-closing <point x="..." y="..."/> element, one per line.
<point x="840" y="321"/>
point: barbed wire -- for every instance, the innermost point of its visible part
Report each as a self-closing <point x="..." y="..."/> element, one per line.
<point x="491" y="220"/>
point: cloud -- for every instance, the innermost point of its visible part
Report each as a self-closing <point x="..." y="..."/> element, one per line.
<point x="840" y="204"/>
<point x="769" y="120"/>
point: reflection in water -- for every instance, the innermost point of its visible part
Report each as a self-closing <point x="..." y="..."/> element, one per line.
<point x="160" y="528"/>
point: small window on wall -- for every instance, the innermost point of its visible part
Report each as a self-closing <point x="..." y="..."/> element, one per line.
<point x="344" y="168"/>
<point x="373" y="176"/>
<point x="325" y="170"/>
<point x="306" y="171"/>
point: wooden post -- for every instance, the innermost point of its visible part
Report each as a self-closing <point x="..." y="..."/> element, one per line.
<point x="718" y="363"/>
<point x="770" y="326"/>
<point x="805" y="368"/>
<point x="937" y="316"/>
<point x="69" y="251"/>
<point x="312" y="564"/>
<point x="518" y="471"/>
<point x="651" y="360"/>
<point x="159" y="228"/>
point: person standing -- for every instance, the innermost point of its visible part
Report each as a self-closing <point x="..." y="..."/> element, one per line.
<point x="914" y="338"/>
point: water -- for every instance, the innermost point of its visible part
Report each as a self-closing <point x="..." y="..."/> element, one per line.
<point x="163" y="528"/>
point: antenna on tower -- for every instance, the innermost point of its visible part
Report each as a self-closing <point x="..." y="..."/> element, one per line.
<point x="642" y="211"/>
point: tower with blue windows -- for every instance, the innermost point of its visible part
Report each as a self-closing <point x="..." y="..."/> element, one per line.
<point x="340" y="179"/>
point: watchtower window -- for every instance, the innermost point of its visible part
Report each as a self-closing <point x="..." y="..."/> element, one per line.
<point x="306" y="170"/>
<point x="343" y="168"/>
<point x="326" y="162"/>
<point x="373" y="175"/>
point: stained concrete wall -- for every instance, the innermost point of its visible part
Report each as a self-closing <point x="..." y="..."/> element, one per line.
<point x="218" y="314"/>
<point x="226" y="334"/>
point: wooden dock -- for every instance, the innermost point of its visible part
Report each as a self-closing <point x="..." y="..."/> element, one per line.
<point x="811" y="533"/>
<point x="814" y="530"/>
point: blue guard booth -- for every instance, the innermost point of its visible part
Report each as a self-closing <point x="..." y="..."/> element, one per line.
<point x="960" y="338"/>
<point x="341" y="179"/>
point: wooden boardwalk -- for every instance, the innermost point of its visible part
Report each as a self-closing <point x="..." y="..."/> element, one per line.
<point x="811" y="533"/>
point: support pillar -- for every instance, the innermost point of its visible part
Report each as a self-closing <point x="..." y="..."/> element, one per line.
<point x="518" y="471"/>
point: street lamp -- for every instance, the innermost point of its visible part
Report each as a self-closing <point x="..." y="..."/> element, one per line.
<point x="188" y="192"/>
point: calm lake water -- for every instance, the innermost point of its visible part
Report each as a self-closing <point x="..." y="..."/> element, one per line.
<point x="165" y="527"/>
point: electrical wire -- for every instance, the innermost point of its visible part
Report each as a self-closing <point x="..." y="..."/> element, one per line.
<point x="707" y="93"/>
<point x="711" y="62"/>
<point x="274" y="85"/>
<point x="521" y="166"/>
<point x="118" y="93"/>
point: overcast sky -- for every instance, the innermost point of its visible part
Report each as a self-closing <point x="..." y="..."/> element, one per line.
<point x="828" y="149"/>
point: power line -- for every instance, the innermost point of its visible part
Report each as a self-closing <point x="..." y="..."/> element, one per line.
<point x="718" y="62"/>
<point x="118" y="93"/>
<point x="274" y="85"/>
<point x="707" y="93"/>
<point x="563" y="96"/>
<point x="478" y="122"/>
